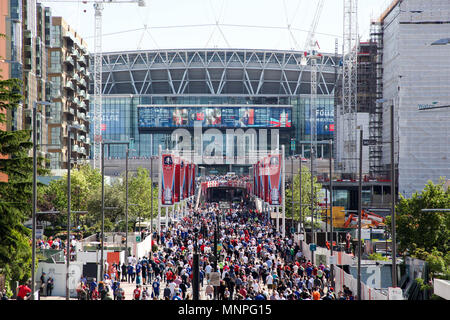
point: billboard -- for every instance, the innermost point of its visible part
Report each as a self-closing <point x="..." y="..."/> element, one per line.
<point x="272" y="116"/>
<point x="324" y="120"/>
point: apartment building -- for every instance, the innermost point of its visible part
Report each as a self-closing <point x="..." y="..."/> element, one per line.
<point x="69" y="79"/>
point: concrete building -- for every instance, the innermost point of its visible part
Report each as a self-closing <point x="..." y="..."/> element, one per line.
<point x="414" y="48"/>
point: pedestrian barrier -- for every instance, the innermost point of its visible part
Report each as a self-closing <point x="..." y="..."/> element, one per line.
<point x="341" y="277"/>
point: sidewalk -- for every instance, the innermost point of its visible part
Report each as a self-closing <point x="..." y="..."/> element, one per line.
<point x="129" y="288"/>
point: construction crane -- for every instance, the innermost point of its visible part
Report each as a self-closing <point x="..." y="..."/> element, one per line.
<point x="98" y="6"/>
<point x="310" y="46"/>
<point x="98" y="111"/>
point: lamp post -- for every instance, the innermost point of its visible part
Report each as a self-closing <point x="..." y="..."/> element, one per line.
<point x="359" y="213"/>
<point x="195" y="266"/>
<point x="312" y="201"/>
<point x="69" y="204"/>
<point x="393" y="195"/>
<point x="331" y="211"/>
<point x="103" y="143"/>
<point x="33" y="227"/>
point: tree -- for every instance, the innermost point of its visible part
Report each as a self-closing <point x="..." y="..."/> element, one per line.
<point x="85" y="184"/>
<point x="424" y="234"/>
<point x="16" y="192"/>
<point x="425" y="230"/>
<point x="306" y="195"/>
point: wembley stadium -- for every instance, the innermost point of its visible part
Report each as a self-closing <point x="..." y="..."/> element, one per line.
<point x="148" y="94"/>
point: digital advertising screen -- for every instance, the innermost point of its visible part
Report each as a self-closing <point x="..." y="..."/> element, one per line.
<point x="272" y="116"/>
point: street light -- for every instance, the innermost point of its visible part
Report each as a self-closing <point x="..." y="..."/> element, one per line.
<point x="69" y="157"/>
<point x="359" y="212"/>
<point x="103" y="195"/>
<point x="393" y="196"/>
<point x="33" y="248"/>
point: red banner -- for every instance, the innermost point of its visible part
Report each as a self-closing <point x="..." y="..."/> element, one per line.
<point x="274" y="179"/>
<point x="266" y="179"/>
<point x="182" y="178"/>
<point x="167" y="180"/>
<point x="177" y="161"/>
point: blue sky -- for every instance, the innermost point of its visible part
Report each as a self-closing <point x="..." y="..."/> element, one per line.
<point x="124" y="24"/>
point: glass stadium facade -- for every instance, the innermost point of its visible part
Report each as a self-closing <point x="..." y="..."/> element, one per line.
<point x="149" y="94"/>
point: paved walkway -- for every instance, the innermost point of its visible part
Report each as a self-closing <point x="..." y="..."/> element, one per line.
<point x="129" y="288"/>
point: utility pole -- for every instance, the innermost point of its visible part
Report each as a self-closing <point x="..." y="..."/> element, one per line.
<point x="69" y="156"/>
<point x="312" y="201"/>
<point x="34" y="200"/>
<point x="393" y="199"/>
<point x="103" y="207"/>
<point x="359" y="213"/>
<point x="126" y="202"/>
<point x="331" y="212"/>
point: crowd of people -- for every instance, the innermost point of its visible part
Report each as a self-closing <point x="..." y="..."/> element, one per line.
<point x="241" y="257"/>
<point x="252" y="262"/>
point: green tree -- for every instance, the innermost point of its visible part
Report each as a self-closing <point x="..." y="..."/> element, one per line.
<point x="85" y="184"/>
<point x="424" y="230"/>
<point x="424" y="234"/>
<point x="306" y="196"/>
<point x="16" y="192"/>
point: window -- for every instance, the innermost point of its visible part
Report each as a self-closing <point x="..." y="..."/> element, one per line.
<point x="55" y="62"/>
<point x="55" y="41"/>
<point x="55" y="136"/>
<point x="55" y="88"/>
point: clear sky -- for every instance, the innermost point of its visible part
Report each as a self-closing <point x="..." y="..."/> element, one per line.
<point x="254" y="24"/>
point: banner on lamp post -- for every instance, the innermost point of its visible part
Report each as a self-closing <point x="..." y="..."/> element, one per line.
<point x="168" y="180"/>
<point x="274" y="180"/>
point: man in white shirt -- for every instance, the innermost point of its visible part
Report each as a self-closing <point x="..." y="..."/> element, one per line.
<point x="269" y="281"/>
<point x="172" y="286"/>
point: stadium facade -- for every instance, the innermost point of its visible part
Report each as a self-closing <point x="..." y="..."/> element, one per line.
<point x="148" y="94"/>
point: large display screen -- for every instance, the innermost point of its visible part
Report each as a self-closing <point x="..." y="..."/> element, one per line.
<point x="273" y="116"/>
<point x="324" y="120"/>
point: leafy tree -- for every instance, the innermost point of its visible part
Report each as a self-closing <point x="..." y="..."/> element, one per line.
<point x="424" y="230"/>
<point x="306" y="196"/>
<point x="425" y="235"/>
<point x="85" y="183"/>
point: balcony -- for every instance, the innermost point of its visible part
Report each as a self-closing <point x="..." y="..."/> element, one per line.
<point x="83" y="106"/>
<point x="82" y="115"/>
<point x="83" y="83"/>
<point x="69" y="85"/>
<point x="76" y="101"/>
<point x="82" y="61"/>
<point x="69" y="60"/>
<point x="75" y="148"/>
<point x="76" y="77"/>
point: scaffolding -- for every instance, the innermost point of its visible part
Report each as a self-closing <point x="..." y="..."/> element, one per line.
<point x="376" y="113"/>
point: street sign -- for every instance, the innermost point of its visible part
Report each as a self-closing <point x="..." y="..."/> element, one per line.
<point x="312" y="247"/>
<point x="369" y="142"/>
<point x="333" y="259"/>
